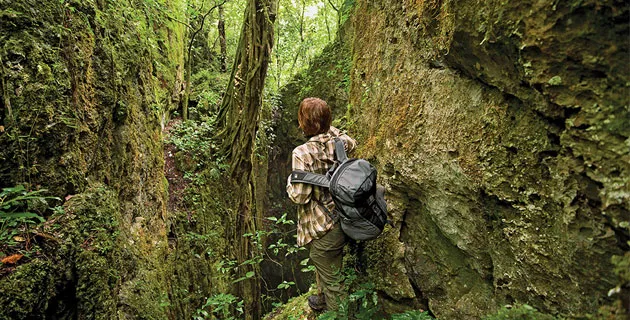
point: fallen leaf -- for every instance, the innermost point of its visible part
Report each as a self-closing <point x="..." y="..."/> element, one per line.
<point x="68" y="197"/>
<point x="19" y="239"/>
<point x="12" y="259"/>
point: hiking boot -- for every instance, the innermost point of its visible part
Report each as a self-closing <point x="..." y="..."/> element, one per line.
<point x="317" y="302"/>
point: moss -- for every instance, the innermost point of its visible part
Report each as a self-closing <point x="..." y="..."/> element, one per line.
<point x="296" y="308"/>
<point x="198" y="239"/>
<point x="96" y="277"/>
<point x="617" y="309"/>
<point x="91" y="223"/>
<point x="555" y="81"/>
<point x="28" y="289"/>
<point x="384" y="261"/>
<point x="506" y="186"/>
<point x="89" y="82"/>
<point x="524" y="312"/>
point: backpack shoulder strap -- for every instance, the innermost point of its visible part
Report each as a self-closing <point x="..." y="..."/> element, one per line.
<point x="299" y="176"/>
<point x="340" y="150"/>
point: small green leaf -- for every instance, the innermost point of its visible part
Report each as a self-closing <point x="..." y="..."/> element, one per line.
<point x="555" y="81"/>
<point x="239" y="280"/>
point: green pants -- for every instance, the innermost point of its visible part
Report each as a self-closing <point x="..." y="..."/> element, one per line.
<point x="326" y="254"/>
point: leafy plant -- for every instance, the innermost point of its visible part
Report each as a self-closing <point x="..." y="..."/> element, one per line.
<point x="226" y="306"/>
<point x="197" y="150"/>
<point x="307" y="268"/>
<point x="361" y="303"/>
<point x="282" y="220"/>
<point x="412" y="315"/>
<point x="19" y="210"/>
<point x="286" y="285"/>
<point x="196" y="139"/>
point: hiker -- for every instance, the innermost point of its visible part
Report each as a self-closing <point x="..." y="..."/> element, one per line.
<point x="318" y="226"/>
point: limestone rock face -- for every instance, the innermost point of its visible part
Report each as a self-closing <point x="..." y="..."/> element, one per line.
<point x="501" y="130"/>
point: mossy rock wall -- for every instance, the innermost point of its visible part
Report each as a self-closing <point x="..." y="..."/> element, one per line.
<point x="501" y="131"/>
<point x="88" y="83"/>
<point x="199" y="244"/>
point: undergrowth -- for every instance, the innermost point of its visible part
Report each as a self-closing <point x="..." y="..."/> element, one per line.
<point x="21" y="210"/>
<point x="362" y="303"/>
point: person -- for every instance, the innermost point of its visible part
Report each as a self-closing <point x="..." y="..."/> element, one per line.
<point x="318" y="227"/>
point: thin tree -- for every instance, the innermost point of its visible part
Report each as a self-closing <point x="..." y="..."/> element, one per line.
<point x="222" y="42"/>
<point x="238" y="123"/>
<point x="194" y="28"/>
<point x="339" y="13"/>
<point x="301" y="29"/>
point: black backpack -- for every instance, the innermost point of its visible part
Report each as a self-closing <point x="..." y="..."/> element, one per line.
<point x="359" y="201"/>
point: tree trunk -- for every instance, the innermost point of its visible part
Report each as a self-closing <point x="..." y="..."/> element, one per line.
<point x="279" y="63"/>
<point x="302" y="21"/>
<point x="222" y="42"/>
<point x="5" y="111"/>
<point x="187" y="83"/>
<point x="238" y="121"/>
<point x="327" y="26"/>
<point x="301" y="48"/>
<point x="338" y="14"/>
<point x="189" y="60"/>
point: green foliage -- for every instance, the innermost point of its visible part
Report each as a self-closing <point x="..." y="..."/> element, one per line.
<point x="20" y="209"/>
<point x="366" y="299"/>
<point x="265" y="135"/>
<point x="286" y="284"/>
<point x="520" y="312"/>
<point x="207" y="241"/>
<point x="412" y="315"/>
<point x="197" y="151"/>
<point x="206" y="48"/>
<point x="225" y="306"/>
<point x="362" y="303"/>
<point x="207" y="90"/>
<point x="196" y="139"/>
<point x="303" y="29"/>
<point x="346" y="9"/>
<point x="279" y="246"/>
<point x="307" y="268"/>
<point x="270" y="252"/>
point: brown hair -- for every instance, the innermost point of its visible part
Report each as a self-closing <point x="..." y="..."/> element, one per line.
<point x="314" y="116"/>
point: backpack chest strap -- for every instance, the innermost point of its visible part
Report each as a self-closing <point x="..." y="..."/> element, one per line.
<point x="299" y="176"/>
